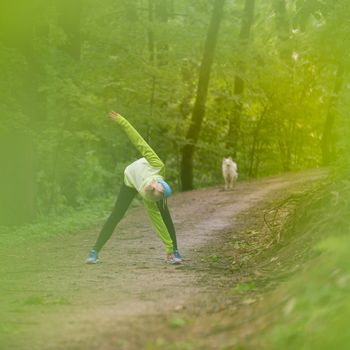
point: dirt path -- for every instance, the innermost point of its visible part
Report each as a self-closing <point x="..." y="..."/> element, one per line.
<point x="51" y="300"/>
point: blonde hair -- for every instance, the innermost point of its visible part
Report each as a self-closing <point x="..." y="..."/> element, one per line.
<point x="152" y="193"/>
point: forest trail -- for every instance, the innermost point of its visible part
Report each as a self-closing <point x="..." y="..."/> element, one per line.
<point x="50" y="299"/>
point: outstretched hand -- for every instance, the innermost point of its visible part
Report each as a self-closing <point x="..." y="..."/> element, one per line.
<point x="113" y="115"/>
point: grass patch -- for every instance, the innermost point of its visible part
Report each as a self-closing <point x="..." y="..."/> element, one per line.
<point x="243" y="288"/>
<point x="71" y="222"/>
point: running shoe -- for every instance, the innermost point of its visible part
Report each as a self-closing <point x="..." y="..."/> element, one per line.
<point x="177" y="256"/>
<point x="92" y="257"/>
<point x="171" y="259"/>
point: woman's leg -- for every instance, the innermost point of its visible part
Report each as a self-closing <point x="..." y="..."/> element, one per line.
<point x="164" y="211"/>
<point x="125" y="196"/>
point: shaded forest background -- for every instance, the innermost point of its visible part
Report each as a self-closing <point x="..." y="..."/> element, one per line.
<point x="263" y="81"/>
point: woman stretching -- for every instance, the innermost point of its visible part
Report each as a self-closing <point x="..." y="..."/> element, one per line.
<point x="144" y="176"/>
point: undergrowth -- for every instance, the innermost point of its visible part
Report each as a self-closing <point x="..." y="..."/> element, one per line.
<point x="316" y="311"/>
<point x="73" y="221"/>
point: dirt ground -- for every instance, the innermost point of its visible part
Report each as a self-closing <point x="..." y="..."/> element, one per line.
<point x="50" y="299"/>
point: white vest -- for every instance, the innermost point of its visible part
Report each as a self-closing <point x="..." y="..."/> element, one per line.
<point x="139" y="174"/>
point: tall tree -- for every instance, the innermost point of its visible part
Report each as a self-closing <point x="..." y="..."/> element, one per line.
<point x="69" y="16"/>
<point x="158" y="12"/>
<point x="69" y="19"/>
<point x="287" y="138"/>
<point x="282" y="27"/>
<point x="335" y="15"/>
<point x="327" y="145"/>
<point x="150" y="31"/>
<point x="201" y="97"/>
<point x="162" y="13"/>
<point x="235" y="120"/>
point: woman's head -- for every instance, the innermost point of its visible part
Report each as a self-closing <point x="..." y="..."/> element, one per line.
<point x="157" y="190"/>
<point x="154" y="191"/>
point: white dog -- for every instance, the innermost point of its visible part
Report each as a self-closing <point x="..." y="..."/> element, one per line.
<point x="229" y="172"/>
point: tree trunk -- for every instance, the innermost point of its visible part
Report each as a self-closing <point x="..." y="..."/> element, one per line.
<point x="282" y="23"/>
<point x="162" y="14"/>
<point x="69" y="17"/>
<point x="326" y="143"/>
<point x="150" y="33"/>
<point x="235" y="120"/>
<point x="151" y="53"/>
<point x="255" y="143"/>
<point x="283" y="28"/>
<point x="202" y="91"/>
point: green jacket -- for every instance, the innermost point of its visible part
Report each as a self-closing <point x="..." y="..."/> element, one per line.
<point x="140" y="173"/>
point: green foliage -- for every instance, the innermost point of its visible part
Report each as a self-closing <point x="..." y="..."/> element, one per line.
<point x="316" y="311"/>
<point x="177" y="322"/>
<point x="57" y="87"/>
<point x="243" y="288"/>
<point x="317" y="315"/>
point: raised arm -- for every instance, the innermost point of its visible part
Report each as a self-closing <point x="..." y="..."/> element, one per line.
<point x="137" y="140"/>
